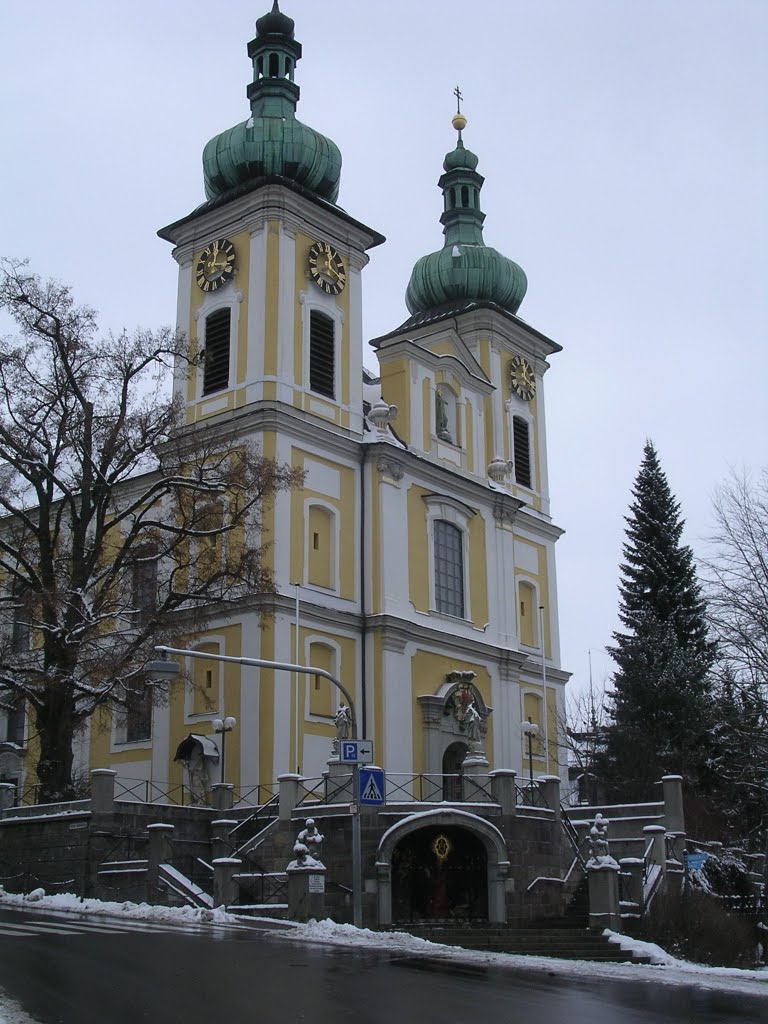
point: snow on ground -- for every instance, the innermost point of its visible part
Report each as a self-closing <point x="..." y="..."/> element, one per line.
<point x="665" y="969"/>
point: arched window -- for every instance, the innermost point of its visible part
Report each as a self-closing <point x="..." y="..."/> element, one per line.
<point x="216" y="351"/>
<point x="464" y="195"/>
<point x="527" y="620"/>
<point x="452" y="198"/>
<point x="449" y="568"/>
<point x="322" y="354"/>
<point x="322" y="698"/>
<point x="287" y="67"/>
<point x="533" y="707"/>
<point x="522" y="450"/>
<point x="321" y="571"/>
<point x="205" y="680"/>
<point x="259" y="67"/>
<point x="274" y="65"/>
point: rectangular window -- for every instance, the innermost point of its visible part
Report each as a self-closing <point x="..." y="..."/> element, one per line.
<point x="14" y="719"/>
<point x="21" y="629"/>
<point x="216" y="352"/>
<point x="145" y="585"/>
<point x="137" y="716"/>
<point x="449" y="569"/>
<point x="522" y="445"/>
<point x="322" y="354"/>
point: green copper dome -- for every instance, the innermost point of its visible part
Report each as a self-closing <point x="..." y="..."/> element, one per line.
<point x="465" y="269"/>
<point x="272" y="141"/>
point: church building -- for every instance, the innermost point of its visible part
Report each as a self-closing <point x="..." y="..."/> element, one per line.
<point x="417" y="564"/>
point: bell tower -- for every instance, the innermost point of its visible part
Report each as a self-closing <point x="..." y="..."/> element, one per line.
<point x="269" y="266"/>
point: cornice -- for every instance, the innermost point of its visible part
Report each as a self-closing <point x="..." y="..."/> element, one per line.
<point x="437" y="361"/>
<point x="405" y="631"/>
<point x="265" y="199"/>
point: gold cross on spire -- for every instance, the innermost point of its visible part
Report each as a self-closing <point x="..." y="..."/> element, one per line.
<point x="459" y="98"/>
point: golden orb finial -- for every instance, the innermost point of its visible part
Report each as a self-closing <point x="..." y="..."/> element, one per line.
<point x="459" y="122"/>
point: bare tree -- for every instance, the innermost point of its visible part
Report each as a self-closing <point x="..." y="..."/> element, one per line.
<point x="119" y="524"/>
<point x="582" y="737"/>
<point x="737" y="576"/>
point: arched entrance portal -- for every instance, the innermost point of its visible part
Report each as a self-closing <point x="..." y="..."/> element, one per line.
<point x="453" y="759"/>
<point x="440" y="873"/>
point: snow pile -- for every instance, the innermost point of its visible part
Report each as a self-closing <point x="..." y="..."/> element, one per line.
<point x="139" y="911"/>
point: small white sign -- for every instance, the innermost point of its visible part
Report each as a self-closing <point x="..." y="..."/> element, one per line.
<point x="317" y="883"/>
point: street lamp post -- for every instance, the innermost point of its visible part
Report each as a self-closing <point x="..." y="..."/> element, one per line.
<point x="223" y="726"/>
<point x="168" y="669"/>
<point x="530" y="729"/>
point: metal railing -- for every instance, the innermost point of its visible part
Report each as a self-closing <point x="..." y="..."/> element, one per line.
<point x="254" y="796"/>
<point x="530" y="796"/>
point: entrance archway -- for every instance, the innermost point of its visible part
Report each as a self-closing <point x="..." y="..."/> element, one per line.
<point x="440" y="873"/>
<point x="453" y="758"/>
<point x="441" y="821"/>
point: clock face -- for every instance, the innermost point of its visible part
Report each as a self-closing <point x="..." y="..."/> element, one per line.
<point x="216" y="265"/>
<point x="522" y="378"/>
<point x="326" y="268"/>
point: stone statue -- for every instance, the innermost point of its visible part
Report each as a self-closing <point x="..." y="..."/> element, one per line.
<point x="343" y="721"/>
<point x="309" y="835"/>
<point x="472" y="723"/>
<point x="441" y="418"/>
<point x="598" y="839"/>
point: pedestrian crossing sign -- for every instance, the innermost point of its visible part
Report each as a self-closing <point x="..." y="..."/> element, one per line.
<point x="372" y="788"/>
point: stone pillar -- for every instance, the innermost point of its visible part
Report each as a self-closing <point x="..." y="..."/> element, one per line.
<point x="339" y="782"/>
<point x="633" y="869"/>
<point x="7" y="795"/>
<point x="503" y="789"/>
<point x="549" y="788"/>
<point x="160" y="852"/>
<point x="674" y="817"/>
<point x="603" y="875"/>
<point x="289" y="794"/>
<point x="384" y="892"/>
<point x="306" y="891"/>
<point x="223" y="796"/>
<point x="221" y="844"/>
<point x="103" y="791"/>
<point x="655" y="835"/>
<point x="474" y="782"/>
<point x="225" y="886"/>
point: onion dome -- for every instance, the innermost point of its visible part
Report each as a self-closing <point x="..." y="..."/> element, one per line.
<point x="272" y="141"/>
<point x="465" y="269"/>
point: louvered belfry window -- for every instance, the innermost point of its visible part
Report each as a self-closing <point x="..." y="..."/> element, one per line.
<point x="322" y="354"/>
<point x="522" y="445"/>
<point x="216" y="367"/>
<point x="449" y="568"/>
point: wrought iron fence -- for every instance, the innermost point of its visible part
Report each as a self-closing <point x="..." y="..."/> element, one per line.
<point x="261" y="888"/>
<point x="530" y="796"/>
<point x="254" y="796"/>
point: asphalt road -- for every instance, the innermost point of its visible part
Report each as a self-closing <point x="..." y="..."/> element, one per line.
<point x="67" y="969"/>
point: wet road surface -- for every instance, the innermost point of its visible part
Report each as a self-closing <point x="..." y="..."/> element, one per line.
<point x="72" y="969"/>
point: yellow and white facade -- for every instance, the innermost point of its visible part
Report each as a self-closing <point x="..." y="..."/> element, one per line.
<point x="417" y="564"/>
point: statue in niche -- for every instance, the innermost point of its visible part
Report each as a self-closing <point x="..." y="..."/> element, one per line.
<point x="472" y="724"/>
<point x="441" y="417"/>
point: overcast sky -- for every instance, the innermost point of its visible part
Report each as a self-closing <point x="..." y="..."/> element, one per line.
<point x="625" y="151"/>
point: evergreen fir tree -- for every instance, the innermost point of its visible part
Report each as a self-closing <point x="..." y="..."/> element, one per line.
<point x="662" y="699"/>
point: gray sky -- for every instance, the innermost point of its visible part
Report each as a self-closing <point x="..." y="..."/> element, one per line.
<point x="625" y="152"/>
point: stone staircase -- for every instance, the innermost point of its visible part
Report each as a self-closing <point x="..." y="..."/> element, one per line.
<point x="563" y="943"/>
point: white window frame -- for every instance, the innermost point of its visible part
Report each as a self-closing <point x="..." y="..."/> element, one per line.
<point x="336" y="662"/>
<point x="212" y="303"/>
<point x="529" y="581"/>
<point x="458" y="515"/>
<point x="335" y="528"/>
<point x="519" y="409"/>
<point x="119" y="732"/>
<point x="319" y="302"/>
<point x="191" y="716"/>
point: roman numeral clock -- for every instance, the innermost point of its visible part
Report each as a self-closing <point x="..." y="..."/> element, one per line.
<point x="326" y="268"/>
<point x="216" y="265"/>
